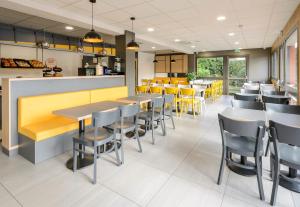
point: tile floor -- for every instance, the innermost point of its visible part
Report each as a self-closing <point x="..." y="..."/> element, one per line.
<point x="179" y="171"/>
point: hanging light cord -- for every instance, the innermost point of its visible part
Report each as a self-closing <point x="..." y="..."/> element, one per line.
<point x="92" y="15"/>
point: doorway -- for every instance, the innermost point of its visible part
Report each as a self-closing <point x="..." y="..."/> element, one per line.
<point x="237" y="74"/>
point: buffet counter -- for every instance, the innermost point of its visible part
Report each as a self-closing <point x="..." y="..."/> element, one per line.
<point x="15" y="88"/>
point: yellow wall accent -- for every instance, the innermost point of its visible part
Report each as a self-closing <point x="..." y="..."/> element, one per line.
<point x="104" y="94"/>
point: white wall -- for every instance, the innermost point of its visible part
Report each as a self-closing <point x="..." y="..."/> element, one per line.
<point x="68" y="61"/>
<point x="146" y="66"/>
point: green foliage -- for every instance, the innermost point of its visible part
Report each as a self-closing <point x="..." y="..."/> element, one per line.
<point x="191" y="76"/>
<point x="210" y="67"/>
<point x="237" y="68"/>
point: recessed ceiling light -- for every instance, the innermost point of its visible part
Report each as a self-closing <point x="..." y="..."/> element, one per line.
<point x="231" y="34"/>
<point x="153" y="47"/>
<point x="193" y="46"/>
<point x="240" y="48"/>
<point x="69" y="27"/>
<point x="150" y="29"/>
<point x="221" y="18"/>
<point x="203" y="50"/>
<point x="177" y="40"/>
<point x="236" y="43"/>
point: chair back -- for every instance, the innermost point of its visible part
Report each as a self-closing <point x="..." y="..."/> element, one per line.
<point x="249" y="91"/>
<point x="200" y="90"/>
<point x="175" y="82"/>
<point x="276" y="100"/>
<point x="282" y="108"/>
<point x="254" y="129"/>
<point x="152" y="81"/>
<point x="168" y="98"/>
<point x="245" y="97"/>
<point x="145" y="82"/>
<point x="187" y="92"/>
<point x="165" y="81"/>
<point x="169" y="85"/>
<point x="272" y="92"/>
<point x="141" y="89"/>
<point x="284" y="134"/>
<point x="172" y="90"/>
<point x="247" y="105"/>
<point x="129" y="110"/>
<point x="105" y="118"/>
<point x="251" y="86"/>
<point x="156" y="89"/>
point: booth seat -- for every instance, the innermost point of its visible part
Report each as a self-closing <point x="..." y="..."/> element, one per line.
<point x="37" y="124"/>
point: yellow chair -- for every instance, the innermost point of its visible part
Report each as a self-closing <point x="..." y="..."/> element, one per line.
<point x="145" y="82"/>
<point x="152" y="81"/>
<point x="177" y="99"/>
<point x="165" y="81"/>
<point x="187" y="96"/>
<point x="141" y="89"/>
<point x="174" y="81"/>
<point x="156" y="89"/>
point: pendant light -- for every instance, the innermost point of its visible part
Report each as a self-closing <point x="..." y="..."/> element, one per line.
<point x="132" y="45"/>
<point x="92" y="36"/>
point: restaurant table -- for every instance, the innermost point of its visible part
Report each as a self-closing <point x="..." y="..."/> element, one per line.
<point x="291" y="120"/>
<point x="260" y="95"/>
<point x="243" y="115"/>
<point x="80" y="114"/>
<point x="139" y="99"/>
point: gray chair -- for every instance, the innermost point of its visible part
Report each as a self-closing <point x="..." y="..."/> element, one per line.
<point x="246" y="97"/>
<point x="271" y="92"/>
<point x="247" y="105"/>
<point x="276" y="99"/>
<point x="249" y="91"/>
<point x="281" y="108"/>
<point x="285" y="150"/>
<point x="128" y="123"/>
<point x="154" y="114"/>
<point x="96" y="137"/>
<point x="244" y="138"/>
<point x="168" y="110"/>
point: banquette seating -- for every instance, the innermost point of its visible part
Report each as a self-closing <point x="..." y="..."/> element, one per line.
<point x="43" y="134"/>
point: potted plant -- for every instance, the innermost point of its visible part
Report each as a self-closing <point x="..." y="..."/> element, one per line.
<point x="191" y="77"/>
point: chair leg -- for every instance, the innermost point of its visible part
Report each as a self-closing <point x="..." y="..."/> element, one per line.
<point x="74" y="157"/>
<point x="117" y="151"/>
<point x="95" y="165"/>
<point x="138" y="139"/>
<point x="221" y="166"/>
<point x="259" y="178"/>
<point x="193" y="109"/>
<point x="275" y="183"/>
<point x="172" y="120"/>
<point x="267" y="148"/>
<point x="162" y="126"/>
<point x="122" y="149"/>
<point x="152" y="128"/>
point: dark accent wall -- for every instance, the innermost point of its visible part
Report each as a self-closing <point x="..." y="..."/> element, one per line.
<point x="128" y="60"/>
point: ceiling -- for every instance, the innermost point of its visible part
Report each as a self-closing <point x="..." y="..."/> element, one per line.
<point x="192" y="21"/>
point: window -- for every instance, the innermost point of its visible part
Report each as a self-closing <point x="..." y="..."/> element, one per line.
<point x="291" y="60"/>
<point x="281" y="68"/>
<point x="275" y="65"/>
<point x="237" y="68"/>
<point x="210" y="67"/>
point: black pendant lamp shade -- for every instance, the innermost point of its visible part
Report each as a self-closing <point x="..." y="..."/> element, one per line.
<point x="132" y="45"/>
<point x="92" y="36"/>
<point x="155" y="61"/>
<point x="173" y="61"/>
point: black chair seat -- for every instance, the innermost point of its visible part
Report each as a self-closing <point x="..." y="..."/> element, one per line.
<point x="289" y="155"/>
<point x="147" y="115"/>
<point x="127" y="126"/>
<point x="244" y="146"/>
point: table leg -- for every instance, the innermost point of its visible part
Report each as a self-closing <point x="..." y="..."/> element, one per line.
<point x="240" y="170"/>
<point x="83" y="160"/>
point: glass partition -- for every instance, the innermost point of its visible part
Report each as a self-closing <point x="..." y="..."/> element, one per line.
<point x="291" y="65"/>
<point x="275" y="64"/>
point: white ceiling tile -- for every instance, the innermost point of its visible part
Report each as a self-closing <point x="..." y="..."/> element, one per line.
<point x="142" y="10"/>
<point x="171" y="5"/>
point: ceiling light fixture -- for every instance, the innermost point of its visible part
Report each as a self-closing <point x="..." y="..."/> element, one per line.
<point x="231" y="34"/>
<point x="92" y="36"/>
<point x="132" y="45"/>
<point x="153" y="47"/>
<point x="221" y="18"/>
<point x="69" y="28"/>
<point x="150" y="29"/>
<point x="236" y="43"/>
<point x="177" y="40"/>
<point x="193" y="46"/>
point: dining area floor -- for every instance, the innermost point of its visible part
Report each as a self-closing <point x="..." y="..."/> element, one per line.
<point x="180" y="170"/>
